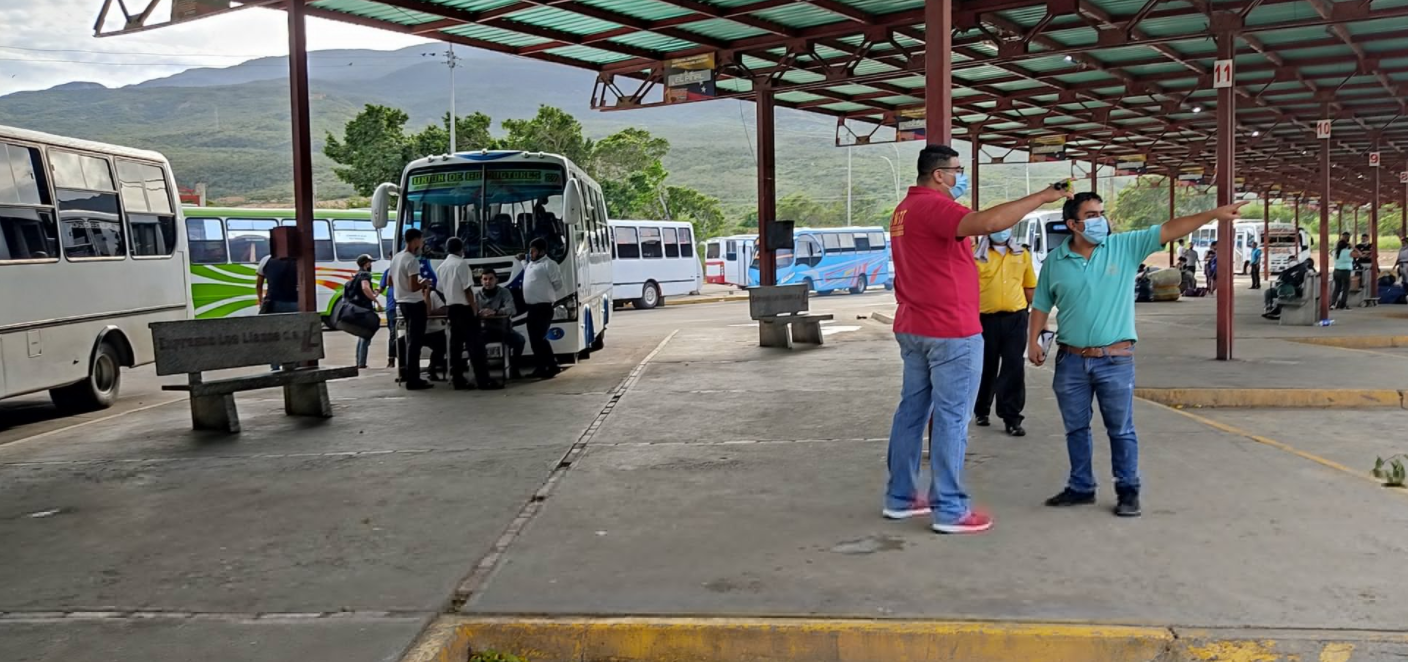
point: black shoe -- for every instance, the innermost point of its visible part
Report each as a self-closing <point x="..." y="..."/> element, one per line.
<point x="1069" y="497"/>
<point x="491" y="386"/>
<point x="419" y="386"/>
<point x="1128" y="505"/>
<point x="981" y="421"/>
<point x="1015" y="429"/>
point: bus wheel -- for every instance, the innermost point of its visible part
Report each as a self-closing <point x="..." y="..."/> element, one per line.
<point x="599" y="343"/>
<point x="96" y="391"/>
<point x="649" y="297"/>
<point x="861" y="284"/>
<point x="890" y="285"/>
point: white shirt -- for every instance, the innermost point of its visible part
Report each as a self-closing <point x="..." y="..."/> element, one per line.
<point x="262" y="261"/>
<point x="541" y="281"/>
<point x="454" y="277"/>
<point x="403" y="267"/>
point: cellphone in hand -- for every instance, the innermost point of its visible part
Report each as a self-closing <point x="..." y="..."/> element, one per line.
<point x="1062" y="185"/>
<point x="1045" y="339"/>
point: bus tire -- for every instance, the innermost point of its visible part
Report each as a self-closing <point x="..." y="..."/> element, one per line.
<point x="649" y="296"/>
<point x="890" y="285"/>
<point x="861" y="284"/>
<point x="599" y="343"/>
<point x="96" y="391"/>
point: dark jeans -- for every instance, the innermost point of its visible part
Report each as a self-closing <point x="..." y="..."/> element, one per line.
<point x="1341" y="296"/>
<point x="1109" y="380"/>
<point x="513" y="339"/>
<point x="391" y="324"/>
<point x="414" y="314"/>
<point x="465" y="337"/>
<point x="1004" y="341"/>
<point x="539" y="322"/>
<point x="1256" y="277"/>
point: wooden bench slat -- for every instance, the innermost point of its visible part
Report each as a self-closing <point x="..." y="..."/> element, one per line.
<point x="263" y="381"/>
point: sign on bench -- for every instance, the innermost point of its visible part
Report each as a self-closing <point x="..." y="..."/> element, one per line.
<point x="777" y="300"/>
<point x="781" y="312"/>
<point x="236" y="342"/>
<point x="195" y="346"/>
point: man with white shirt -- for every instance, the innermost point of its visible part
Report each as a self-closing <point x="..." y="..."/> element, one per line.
<point x="411" y="305"/>
<point x="542" y="281"/>
<point x="457" y="284"/>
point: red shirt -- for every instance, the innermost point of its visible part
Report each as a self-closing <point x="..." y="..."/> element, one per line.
<point x="936" y="280"/>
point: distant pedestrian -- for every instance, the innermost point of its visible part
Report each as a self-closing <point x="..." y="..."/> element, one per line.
<point x="412" y="303"/>
<point x="1006" y="280"/>
<point x="940" y="337"/>
<point x="457" y="283"/>
<point x="360" y="293"/>
<point x="1210" y="267"/>
<point x="1344" y="269"/>
<point x="1086" y="279"/>
<point x="1365" y="247"/>
<point x="542" y="284"/>
<point x="276" y="279"/>
<point x="388" y="289"/>
<point x="1400" y="264"/>
<point x="1187" y="252"/>
<point x="1255" y="264"/>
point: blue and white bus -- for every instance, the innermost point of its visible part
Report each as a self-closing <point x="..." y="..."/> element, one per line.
<point x="830" y="259"/>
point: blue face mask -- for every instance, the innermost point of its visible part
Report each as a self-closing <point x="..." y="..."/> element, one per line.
<point x="1001" y="237"/>
<point x="960" y="185"/>
<point x="1096" y="230"/>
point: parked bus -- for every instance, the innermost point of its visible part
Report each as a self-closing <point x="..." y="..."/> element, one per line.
<point x="92" y="252"/>
<point x="497" y="202"/>
<point x="829" y="259"/>
<point x="1287" y="244"/>
<point x="227" y="244"/>
<point x="1041" y="231"/>
<point x="726" y="259"/>
<point x="651" y="260"/>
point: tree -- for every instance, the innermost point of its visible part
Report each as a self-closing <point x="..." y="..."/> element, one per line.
<point x="687" y="204"/>
<point x="627" y="151"/>
<point x="471" y="132"/>
<point x="551" y="130"/>
<point x="1145" y="203"/>
<point x="373" y="148"/>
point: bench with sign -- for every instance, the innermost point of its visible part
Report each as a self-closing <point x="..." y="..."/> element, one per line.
<point x="192" y="347"/>
<point x="1305" y="309"/>
<point x="781" y="313"/>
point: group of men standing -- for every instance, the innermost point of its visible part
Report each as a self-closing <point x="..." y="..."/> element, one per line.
<point x="963" y="324"/>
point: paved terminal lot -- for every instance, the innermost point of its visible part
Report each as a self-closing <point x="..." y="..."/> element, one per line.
<point x="713" y="478"/>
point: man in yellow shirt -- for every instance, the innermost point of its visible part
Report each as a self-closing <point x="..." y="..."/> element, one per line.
<point x="1006" y="281"/>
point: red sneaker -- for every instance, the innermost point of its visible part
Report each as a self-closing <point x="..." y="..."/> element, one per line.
<point x="973" y="522"/>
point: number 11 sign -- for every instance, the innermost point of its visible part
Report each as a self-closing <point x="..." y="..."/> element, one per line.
<point x="1222" y="74"/>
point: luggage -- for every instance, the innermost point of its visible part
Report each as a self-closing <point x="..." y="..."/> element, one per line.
<point x="1167" y="284"/>
<point x="347" y="315"/>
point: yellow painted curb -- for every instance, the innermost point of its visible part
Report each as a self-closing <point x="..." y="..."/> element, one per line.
<point x="1355" y="342"/>
<point x="698" y="300"/>
<point x="1276" y="398"/>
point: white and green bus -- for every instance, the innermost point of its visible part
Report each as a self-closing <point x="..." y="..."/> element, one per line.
<point x="226" y="245"/>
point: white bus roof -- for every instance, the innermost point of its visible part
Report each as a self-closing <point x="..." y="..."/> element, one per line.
<point x="25" y="135"/>
<point x="663" y="224"/>
<point x="848" y="228"/>
<point x="488" y="156"/>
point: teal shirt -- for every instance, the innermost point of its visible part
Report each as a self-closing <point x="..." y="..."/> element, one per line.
<point x="1343" y="259"/>
<point x="1094" y="299"/>
<point x="1256" y="255"/>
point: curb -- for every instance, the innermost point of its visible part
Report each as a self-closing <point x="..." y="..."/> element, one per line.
<point x="565" y="639"/>
<point x="1355" y="342"/>
<point x="1273" y="398"/>
<point x="703" y="299"/>
<point x="883" y="318"/>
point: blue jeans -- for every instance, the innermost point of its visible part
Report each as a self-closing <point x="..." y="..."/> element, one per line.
<point x="363" y="346"/>
<point x="275" y="307"/>
<point x="941" y="377"/>
<point x="1110" y="380"/>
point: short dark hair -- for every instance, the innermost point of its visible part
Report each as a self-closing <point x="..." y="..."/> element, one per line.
<point x="933" y="157"/>
<point x="410" y="235"/>
<point x="540" y="244"/>
<point x="364" y="260"/>
<point x="489" y="272"/>
<point x="454" y="245"/>
<point x="1071" y="210"/>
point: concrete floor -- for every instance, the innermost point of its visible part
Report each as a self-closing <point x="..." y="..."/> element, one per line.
<point x="724" y="479"/>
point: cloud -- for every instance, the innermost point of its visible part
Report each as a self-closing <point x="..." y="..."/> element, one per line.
<point x="50" y="43"/>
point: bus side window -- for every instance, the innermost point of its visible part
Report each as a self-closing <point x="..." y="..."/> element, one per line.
<point x="650" y="243"/>
<point x="877" y="241"/>
<point x="322" y="239"/>
<point x="672" y="242"/>
<point x="249" y="239"/>
<point x="90" y="216"/>
<point x="25" y="234"/>
<point x="687" y="243"/>
<point x="352" y="239"/>
<point x="808" y="251"/>
<point x="848" y="242"/>
<point x="206" y="238"/>
<point x="862" y="242"/>
<point x="388" y="241"/>
<point x="832" y="242"/>
<point x="147" y="201"/>
<point x="731" y="251"/>
<point x="711" y="250"/>
<point x="627" y="248"/>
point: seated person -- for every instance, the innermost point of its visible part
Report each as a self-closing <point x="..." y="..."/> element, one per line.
<point x="1289" y="284"/>
<point x="497" y="302"/>
<point x="1189" y="284"/>
<point x="1143" y="287"/>
<point x="436" y="338"/>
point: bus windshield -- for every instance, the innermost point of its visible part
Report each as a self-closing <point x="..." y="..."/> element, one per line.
<point x="496" y="208"/>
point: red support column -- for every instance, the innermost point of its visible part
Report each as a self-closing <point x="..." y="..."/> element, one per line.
<point x="1325" y="266"/>
<point x="1374" y="233"/>
<point x="1172" y="191"/>
<point x="1265" y="265"/>
<point x="1339" y="223"/>
<point x="767" y="184"/>
<point x="302" y="156"/>
<point x="1226" y="194"/>
<point x="938" y="72"/>
<point x="976" y="142"/>
<point x="1095" y="183"/>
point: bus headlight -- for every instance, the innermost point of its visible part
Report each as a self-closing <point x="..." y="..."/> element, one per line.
<point x="566" y="311"/>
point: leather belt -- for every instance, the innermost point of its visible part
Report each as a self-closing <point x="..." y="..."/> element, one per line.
<point x="1123" y="348"/>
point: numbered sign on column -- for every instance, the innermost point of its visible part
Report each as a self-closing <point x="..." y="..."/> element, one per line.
<point x="1403" y="177"/>
<point x="1222" y="74"/>
<point x="1373" y="159"/>
<point x="1322" y="129"/>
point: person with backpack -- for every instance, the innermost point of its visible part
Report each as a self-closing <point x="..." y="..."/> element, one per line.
<point x="359" y="292"/>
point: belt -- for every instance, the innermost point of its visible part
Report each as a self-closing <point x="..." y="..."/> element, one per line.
<point x="1122" y="348"/>
<point x="1001" y="313"/>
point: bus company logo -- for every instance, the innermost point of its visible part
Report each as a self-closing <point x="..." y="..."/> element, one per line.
<point x="556" y="334"/>
<point x="444" y="179"/>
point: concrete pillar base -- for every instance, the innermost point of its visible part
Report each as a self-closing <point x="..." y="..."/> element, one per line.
<point x="215" y="412"/>
<point x="307" y="400"/>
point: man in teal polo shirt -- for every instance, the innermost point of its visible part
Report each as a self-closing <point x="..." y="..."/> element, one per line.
<point x="1089" y="280"/>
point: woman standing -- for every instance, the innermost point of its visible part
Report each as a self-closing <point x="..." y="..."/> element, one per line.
<point x="1211" y="267"/>
<point x="361" y="293"/>
<point x="1344" y="266"/>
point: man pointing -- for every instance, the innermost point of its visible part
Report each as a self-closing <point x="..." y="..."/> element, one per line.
<point x="1087" y="279"/>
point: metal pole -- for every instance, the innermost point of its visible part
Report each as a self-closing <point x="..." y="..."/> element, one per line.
<point x="938" y="71"/>
<point x="302" y="156"/>
<point x="1265" y="265"/>
<point x="454" y="124"/>
<point x="1095" y="183"/>
<point x="1172" y="190"/>
<point x="1325" y="270"/>
<point x="1226" y="194"/>
<point x="1339" y="224"/>
<point x="1374" y="234"/>
<point x="977" y="151"/>
<point x="767" y="186"/>
<point x="848" y="186"/>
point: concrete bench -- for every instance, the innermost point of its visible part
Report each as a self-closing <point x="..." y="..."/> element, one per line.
<point x="781" y="313"/>
<point x="1305" y="310"/>
<point x="192" y="347"/>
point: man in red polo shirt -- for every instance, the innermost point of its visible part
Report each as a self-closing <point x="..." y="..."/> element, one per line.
<point x="940" y="337"/>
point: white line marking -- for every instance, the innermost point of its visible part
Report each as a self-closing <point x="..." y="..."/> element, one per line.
<point x="11" y="444"/>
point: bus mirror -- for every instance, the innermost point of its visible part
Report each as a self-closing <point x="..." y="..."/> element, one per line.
<point x="574" y="207"/>
<point x="381" y="204"/>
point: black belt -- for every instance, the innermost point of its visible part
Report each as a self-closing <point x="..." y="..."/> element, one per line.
<point x="1003" y="313"/>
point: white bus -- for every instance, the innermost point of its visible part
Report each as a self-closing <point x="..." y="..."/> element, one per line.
<point x="726" y="259"/>
<point x="226" y="245"/>
<point x="651" y="260"/>
<point x="1287" y="244"/>
<point x="499" y="201"/>
<point x="92" y="252"/>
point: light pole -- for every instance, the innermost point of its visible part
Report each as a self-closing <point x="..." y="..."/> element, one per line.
<point x="451" y="61"/>
<point x="895" y="172"/>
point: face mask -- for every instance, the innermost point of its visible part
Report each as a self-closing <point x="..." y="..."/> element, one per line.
<point x="960" y="185"/>
<point x="1001" y="237"/>
<point x="1096" y="230"/>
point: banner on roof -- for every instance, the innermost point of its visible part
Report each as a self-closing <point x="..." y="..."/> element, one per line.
<point x="1047" y="148"/>
<point x="1132" y="164"/>
<point x="1274" y="191"/>
<point x="1239" y="184"/>
<point x="689" y="78"/>
<point x="190" y="10"/>
<point x="910" y="125"/>
<point x="1192" y="176"/>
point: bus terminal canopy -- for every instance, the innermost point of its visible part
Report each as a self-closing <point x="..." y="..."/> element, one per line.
<point x="1093" y="80"/>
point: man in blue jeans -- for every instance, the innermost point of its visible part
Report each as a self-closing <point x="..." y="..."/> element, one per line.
<point x="940" y="337"/>
<point x="1087" y="280"/>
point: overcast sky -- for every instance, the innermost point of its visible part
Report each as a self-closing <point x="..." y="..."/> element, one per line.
<point x="51" y="42"/>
